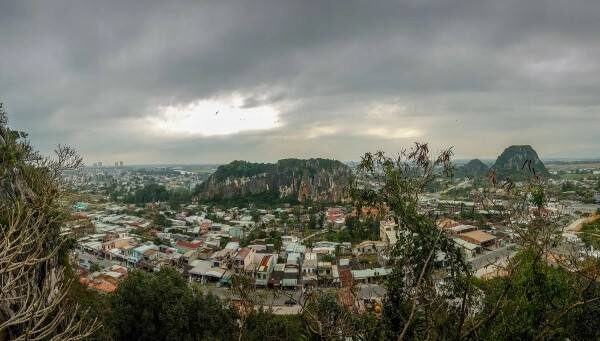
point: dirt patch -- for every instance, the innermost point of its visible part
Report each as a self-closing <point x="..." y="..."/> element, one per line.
<point x="577" y="224"/>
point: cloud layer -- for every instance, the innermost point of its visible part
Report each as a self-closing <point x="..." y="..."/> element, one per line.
<point x="338" y="78"/>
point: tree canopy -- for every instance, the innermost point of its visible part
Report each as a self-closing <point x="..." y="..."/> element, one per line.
<point x="34" y="276"/>
<point x="163" y="306"/>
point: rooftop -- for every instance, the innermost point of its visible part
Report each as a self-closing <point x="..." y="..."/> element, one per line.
<point x="479" y="236"/>
<point x="465" y="244"/>
<point x="190" y="245"/>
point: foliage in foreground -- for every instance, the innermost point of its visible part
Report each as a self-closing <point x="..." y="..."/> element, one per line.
<point x="541" y="301"/>
<point x="34" y="280"/>
<point x="544" y="292"/>
<point x="162" y="306"/>
<point x="590" y="234"/>
<point x="264" y="325"/>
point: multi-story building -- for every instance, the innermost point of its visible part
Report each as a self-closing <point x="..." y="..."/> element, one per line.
<point x="265" y="268"/>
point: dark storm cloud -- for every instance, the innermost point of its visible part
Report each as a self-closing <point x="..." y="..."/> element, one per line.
<point x="347" y="76"/>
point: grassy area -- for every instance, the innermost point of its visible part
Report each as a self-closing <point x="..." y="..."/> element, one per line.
<point x="590" y="233"/>
<point x="370" y="260"/>
<point x="92" y="199"/>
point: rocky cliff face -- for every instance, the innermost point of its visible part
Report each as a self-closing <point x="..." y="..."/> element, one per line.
<point x="317" y="180"/>
<point x="518" y="163"/>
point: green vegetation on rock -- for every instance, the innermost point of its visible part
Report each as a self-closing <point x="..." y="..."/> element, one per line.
<point x="287" y="181"/>
<point x="519" y="163"/>
<point x="473" y="169"/>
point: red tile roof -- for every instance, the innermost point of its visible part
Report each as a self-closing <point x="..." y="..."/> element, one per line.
<point x="189" y="245"/>
<point x="265" y="260"/>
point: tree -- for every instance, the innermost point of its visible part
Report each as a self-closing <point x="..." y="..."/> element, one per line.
<point x="264" y="325"/>
<point x="94" y="267"/>
<point x="328" y="257"/>
<point x="160" y="221"/>
<point x="255" y="215"/>
<point x="284" y="216"/>
<point x="544" y="292"/>
<point x="326" y="317"/>
<point x="312" y="222"/>
<point x="162" y="306"/>
<point x="549" y="285"/>
<point x="34" y="286"/>
<point x="413" y="303"/>
<point x="178" y="197"/>
<point x="539" y="301"/>
<point x="320" y="220"/>
<point x="96" y="304"/>
<point x="275" y="239"/>
<point x="158" y="241"/>
<point x="590" y="234"/>
<point x="223" y="242"/>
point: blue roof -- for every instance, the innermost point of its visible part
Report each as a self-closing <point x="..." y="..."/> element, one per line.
<point x="81" y="205"/>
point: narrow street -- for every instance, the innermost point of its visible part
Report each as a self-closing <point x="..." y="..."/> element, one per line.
<point x="489" y="261"/>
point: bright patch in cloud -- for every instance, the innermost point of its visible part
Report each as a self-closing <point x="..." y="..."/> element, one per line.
<point x="392" y="133"/>
<point x="316" y="132"/>
<point x="383" y="111"/>
<point x="553" y="69"/>
<point x="212" y="117"/>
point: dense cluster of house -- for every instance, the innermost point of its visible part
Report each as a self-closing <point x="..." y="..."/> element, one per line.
<point x="200" y="260"/>
<point x="211" y="245"/>
<point x="295" y="265"/>
<point x="206" y="251"/>
<point x="129" y="179"/>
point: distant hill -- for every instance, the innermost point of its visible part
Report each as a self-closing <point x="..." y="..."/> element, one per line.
<point x="519" y="163"/>
<point x="472" y="169"/>
<point x="290" y="180"/>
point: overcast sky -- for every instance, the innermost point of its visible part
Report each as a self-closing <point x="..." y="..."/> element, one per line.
<point x="213" y="81"/>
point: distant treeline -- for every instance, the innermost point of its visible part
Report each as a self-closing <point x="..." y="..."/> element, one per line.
<point x="263" y="200"/>
<point x="356" y="231"/>
<point x="242" y="169"/>
<point x="153" y="192"/>
<point x="574" y="162"/>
